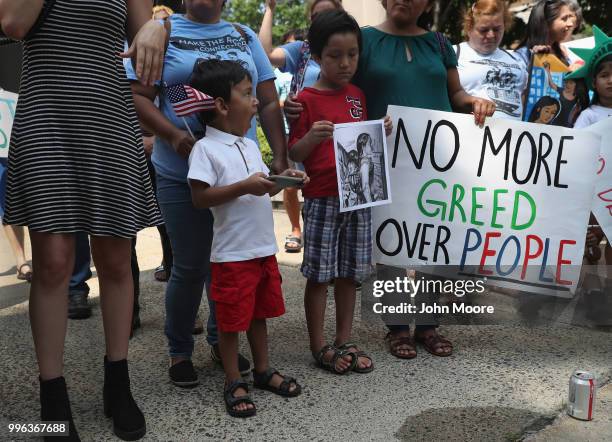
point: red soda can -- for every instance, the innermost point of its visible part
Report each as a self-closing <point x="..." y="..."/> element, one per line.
<point x="581" y="399"/>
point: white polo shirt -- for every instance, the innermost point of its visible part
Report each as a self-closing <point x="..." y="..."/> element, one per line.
<point x="244" y="227"/>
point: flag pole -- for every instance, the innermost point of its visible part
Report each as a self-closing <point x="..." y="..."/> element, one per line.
<point x="188" y="128"/>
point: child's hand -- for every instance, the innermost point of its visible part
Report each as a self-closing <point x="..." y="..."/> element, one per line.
<point x="320" y="131"/>
<point x="388" y="125"/>
<point x="258" y="185"/>
<point x="297" y="174"/>
<point x="482" y="108"/>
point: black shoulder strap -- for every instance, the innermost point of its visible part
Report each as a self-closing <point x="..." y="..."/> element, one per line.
<point x="442" y="43"/>
<point x="510" y="54"/>
<point x="458" y="50"/>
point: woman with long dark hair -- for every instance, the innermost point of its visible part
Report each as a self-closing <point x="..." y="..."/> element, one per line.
<point x="551" y="23"/>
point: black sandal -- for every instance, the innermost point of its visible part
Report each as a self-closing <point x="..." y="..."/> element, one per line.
<point x="262" y="381"/>
<point x="231" y="401"/>
<point x="358" y="354"/>
<point x="24" y="276"/>
<point x="331" y="364"/>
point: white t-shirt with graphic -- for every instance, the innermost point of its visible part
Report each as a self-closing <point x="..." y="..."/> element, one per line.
<point x="591" y="115"/>
<point x="500" y="77"/>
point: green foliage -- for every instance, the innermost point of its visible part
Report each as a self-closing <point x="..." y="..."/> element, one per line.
<point x="288" y="15"/>
<point x="597" y="12"/>
<point x="264" y="147"/>
<point x="448" y="16"/>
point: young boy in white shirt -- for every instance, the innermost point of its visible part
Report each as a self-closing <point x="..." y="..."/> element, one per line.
<point x="227" y="174"/>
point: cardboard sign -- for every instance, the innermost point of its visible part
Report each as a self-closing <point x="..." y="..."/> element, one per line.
<point x="8" y="104"/>
<point x="509" y="202"/>
<point x="551" y="99"/>
<point x="602" y="199"/>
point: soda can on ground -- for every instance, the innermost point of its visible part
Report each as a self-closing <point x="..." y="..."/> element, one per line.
<point x="581" y="399"/>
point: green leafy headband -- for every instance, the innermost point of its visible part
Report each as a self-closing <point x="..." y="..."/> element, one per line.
<point x="592" y="57"/>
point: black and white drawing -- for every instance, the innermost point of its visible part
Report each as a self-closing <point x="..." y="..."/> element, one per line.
<point x="361" y="165"/>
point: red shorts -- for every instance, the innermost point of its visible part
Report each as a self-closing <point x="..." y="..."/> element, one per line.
<point x="244" y="290"/>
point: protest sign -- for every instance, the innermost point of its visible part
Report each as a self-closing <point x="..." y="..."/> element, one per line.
<point x="602" y="199"/>
<point x="551" y="98"/>
<point x="509" y="201"/>
<point x="8" y="103"/>
<point x="361" y="164"/>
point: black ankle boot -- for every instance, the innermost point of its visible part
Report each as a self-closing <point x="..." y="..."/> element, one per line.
<point x="55" y="406"/>
<point x="128" y="420"/>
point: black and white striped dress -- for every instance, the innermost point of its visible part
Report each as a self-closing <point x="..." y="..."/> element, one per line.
<point x="76" y="161"/>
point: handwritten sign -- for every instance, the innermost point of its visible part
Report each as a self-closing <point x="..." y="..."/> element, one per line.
<point x="602" y="199"/>
<point x="8" y="103"/>
<point x="509" y="201"/>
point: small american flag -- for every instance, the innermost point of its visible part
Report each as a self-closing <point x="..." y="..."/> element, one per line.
<point x="187" y="100"/>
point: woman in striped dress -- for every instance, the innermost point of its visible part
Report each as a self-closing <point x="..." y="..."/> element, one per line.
<point x="76" y="164"/>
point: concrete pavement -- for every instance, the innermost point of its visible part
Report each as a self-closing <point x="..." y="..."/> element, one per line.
<point x="502" y="382"/>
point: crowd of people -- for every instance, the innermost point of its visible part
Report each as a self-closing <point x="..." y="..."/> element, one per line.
<point x="78" y="167"/>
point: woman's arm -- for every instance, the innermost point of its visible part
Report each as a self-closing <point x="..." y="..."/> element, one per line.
<point x="152" y="119"/>
<point x="465" y="103"/>
<point x="147" y="41"/>
<point x="276" y="55"/>
<point x="18" y="16"/>
<point x="271" y="120"/>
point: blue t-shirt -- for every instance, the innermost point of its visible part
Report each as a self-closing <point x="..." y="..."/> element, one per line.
<point x="190" y="42"/>
<point x="292" y="59"/>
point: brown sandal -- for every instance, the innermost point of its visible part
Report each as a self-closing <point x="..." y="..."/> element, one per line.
<point x="394" y="344"/>
<point x="434" y="342"/>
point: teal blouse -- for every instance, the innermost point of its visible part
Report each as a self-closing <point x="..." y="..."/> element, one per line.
<point x="387" y="75"/>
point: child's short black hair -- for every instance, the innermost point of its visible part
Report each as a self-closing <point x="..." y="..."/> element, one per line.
<point x="216" y="78"/>
<point x="328" y="23"/>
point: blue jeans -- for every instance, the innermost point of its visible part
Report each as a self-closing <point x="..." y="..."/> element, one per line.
<point x="190" y="231"/>
<point x="82" y="263"/>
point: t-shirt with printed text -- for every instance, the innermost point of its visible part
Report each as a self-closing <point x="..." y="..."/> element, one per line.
<point x="500" y="77"/>
<point x="345" y="105"/>
<point x="189" y="43"/>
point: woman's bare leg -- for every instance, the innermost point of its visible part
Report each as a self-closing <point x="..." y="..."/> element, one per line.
<point x="14" y="234"/>
<point x="111" y="257"/>
<point x="53" y="257"/>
